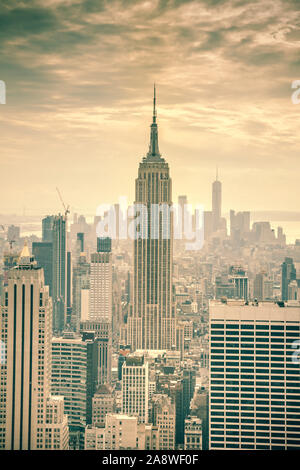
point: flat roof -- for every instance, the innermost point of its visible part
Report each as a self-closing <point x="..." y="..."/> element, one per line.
<point x="262" y="311"/>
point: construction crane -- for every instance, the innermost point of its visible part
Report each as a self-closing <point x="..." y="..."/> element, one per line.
<point x="67" y="210"/>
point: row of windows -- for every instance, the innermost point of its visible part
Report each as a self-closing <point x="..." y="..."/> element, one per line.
<point x="221" y="326"/>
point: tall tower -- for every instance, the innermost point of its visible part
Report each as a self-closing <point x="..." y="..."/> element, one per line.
<point x="100" y="300"/>
<point x="29" y="417"/>
<point x="216" y="203"/>
<point x="151" y="324"/>
<point x="59" y="277"/>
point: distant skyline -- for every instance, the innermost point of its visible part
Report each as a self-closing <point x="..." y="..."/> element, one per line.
<point x="79" y="78"/>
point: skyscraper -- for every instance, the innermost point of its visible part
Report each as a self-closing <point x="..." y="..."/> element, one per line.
<point x="47" y="228"/>
<point x="254" y="377"/>
<point x="69" y="292"/>
<point x="103" y="334"/>
<point x="43" y="253"/>
<point x="216" y="204"/>
<point x="288" y="273"/>
<point x="258" y="286"/>
<point x="81" y="280"/>
<point x="59" y="277"/>
<point x="135" y="388"/>
<point x="29" y="417"/>
<point x="74" y="375"/>
<point x="151" y="324"/>
<point x="100" y="300"/>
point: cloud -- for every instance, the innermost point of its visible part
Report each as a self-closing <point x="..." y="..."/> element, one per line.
<point x="79" y="76"/>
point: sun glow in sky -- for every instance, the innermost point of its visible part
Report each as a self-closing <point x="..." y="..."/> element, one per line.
<point x="79" y="76"/>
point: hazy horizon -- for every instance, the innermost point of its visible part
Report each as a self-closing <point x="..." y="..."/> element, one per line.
<point x="79" y="78"/>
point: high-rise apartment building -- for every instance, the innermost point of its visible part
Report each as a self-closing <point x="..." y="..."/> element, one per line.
<point x="151" y="324"/>
<point x="258" y="286"/>
<point x="254" y="400"/>
<point x="28" y="417"/>
<point x="69" y="290"/>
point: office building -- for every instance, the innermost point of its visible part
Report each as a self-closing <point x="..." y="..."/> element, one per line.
<point x="59" y="278"/>
<point x="135" y="388"/>
<point x="69" y="290"/>
<point x="103" y="335"/>
<point x="100" y="297"/>
<point x="81" y="281"/>
<point x="28" y="418"/>
<point x="151" y="324"/>
<point x="254" y="400"/>
<point x="74" y="376"/>
<point x="288" y="273"/>
<point x="43" y="252"/>
<point x="47" y="229"/>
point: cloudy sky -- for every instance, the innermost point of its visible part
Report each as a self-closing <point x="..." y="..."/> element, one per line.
<point x="79" y="77"/>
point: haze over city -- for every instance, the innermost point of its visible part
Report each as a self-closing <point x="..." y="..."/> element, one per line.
<point x="149" y="229"/>
<point x="79" y="77"/>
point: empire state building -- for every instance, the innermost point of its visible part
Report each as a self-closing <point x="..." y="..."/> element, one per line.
<point x="151" y="324"/>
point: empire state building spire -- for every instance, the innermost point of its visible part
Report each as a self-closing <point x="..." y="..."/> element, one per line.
<point x="153" y="147"/>
<point x="152" y="319"/>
